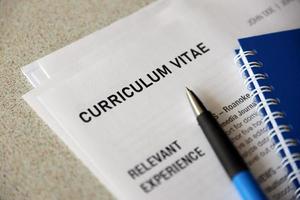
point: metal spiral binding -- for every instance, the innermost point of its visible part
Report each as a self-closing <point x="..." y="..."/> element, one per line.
<point x="248" y="80"/>
<point x="284" y="129"/>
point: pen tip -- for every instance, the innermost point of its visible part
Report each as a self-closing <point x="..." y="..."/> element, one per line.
<point x="187" y="89"/>
<point x="196" y="104"/>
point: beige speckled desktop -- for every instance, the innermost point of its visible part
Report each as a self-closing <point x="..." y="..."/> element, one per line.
<point x="34" y="163"/>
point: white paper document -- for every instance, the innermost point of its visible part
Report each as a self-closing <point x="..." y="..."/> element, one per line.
<point x="234" y="17"/>
<point x="117" y="99"/>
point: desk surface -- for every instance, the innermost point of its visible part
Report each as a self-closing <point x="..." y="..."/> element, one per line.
<point x="34" y="163"/>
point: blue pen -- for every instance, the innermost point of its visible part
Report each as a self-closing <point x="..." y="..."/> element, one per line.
<point x="228" y="155"/>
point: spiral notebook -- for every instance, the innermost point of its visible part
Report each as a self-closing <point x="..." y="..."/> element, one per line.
<point x="270" y="65"/>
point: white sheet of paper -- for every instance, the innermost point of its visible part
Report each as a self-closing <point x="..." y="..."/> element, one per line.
<point x="129" y="133"/>
<point x="265" y="16"/>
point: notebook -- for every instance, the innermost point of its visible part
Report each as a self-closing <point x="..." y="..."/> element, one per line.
<point x="270" y="64"/>
<point x="120" y="103"/>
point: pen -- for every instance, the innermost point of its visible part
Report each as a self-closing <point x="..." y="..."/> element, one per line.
<point x="228" y="155"/>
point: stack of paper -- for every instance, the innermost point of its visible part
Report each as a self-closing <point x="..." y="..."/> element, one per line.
<point x="117" y="98"/>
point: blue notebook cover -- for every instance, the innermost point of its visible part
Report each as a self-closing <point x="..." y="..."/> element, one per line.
<point x="270" y="64"/>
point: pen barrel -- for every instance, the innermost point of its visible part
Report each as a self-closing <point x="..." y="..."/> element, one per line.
<point x="247" y="186"/>
<point x="221" y="144"/>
